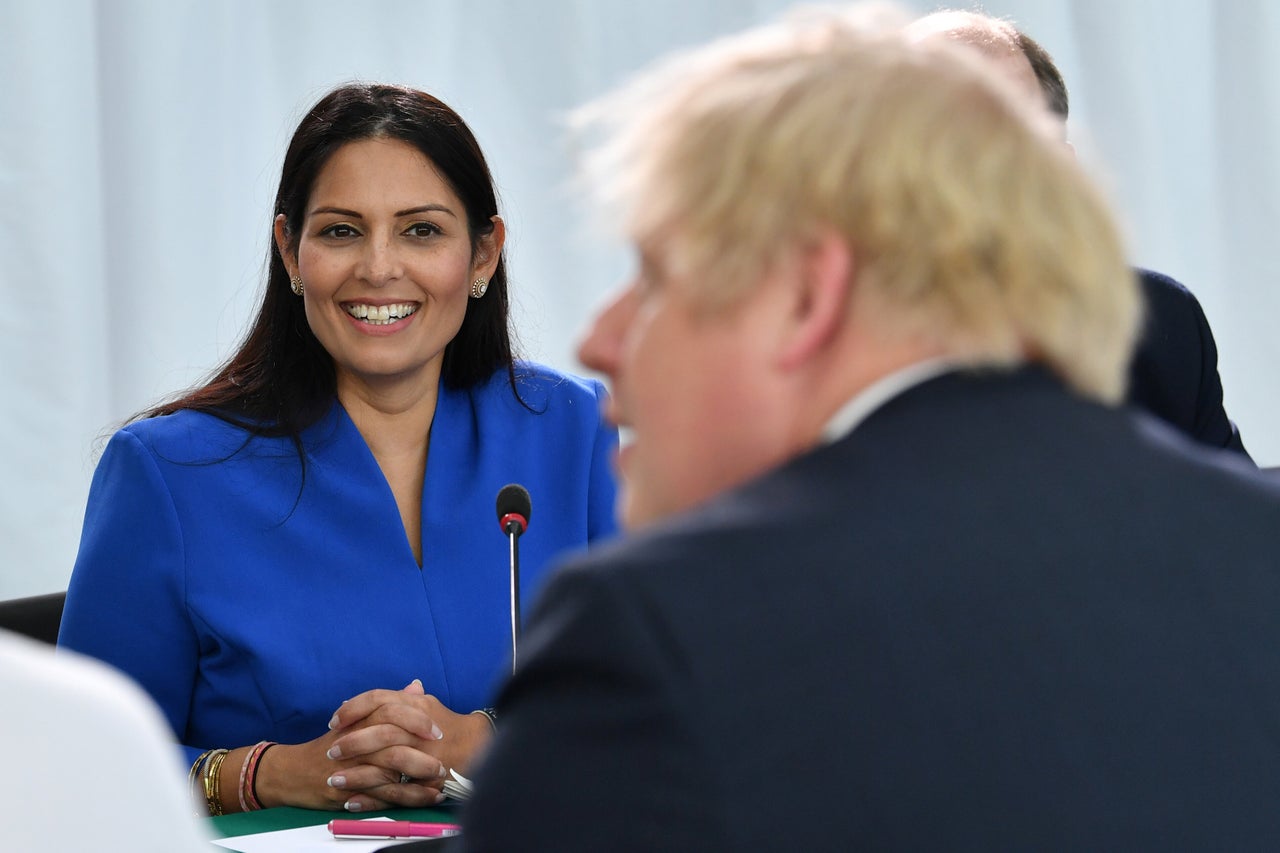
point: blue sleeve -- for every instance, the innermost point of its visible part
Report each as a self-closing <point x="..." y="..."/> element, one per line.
<point x="602" y="519"/>
<point x="126" y="602"/>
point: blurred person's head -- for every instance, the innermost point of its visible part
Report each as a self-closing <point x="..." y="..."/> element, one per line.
<point x="817" y="204"/>
<point x="994" y="38"/>
<point x="1052" y="85"/>
<point x="1013" y="53"/>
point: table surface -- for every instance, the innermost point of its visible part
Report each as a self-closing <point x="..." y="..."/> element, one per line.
<point x="269" y="820"/>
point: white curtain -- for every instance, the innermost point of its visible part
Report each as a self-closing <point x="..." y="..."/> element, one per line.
<point x="140" y="143"/>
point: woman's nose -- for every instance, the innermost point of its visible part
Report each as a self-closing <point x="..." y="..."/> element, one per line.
<point x="381" y="262"/>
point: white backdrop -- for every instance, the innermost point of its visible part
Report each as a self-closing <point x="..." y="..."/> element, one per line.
<point x="140" y="142"/>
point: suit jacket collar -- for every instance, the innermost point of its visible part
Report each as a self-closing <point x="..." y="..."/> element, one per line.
<point x="875" y="395"/>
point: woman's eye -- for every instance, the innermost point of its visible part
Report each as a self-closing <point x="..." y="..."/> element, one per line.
<point x="422" y="229"/>
<point x="339" y="230"/>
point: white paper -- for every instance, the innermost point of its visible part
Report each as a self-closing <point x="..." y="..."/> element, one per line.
<point x="307" y="839"/>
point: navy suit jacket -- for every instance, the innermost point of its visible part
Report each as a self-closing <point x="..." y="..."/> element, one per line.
<point x="1174" y="373"/>
<point x="993" y="617"/>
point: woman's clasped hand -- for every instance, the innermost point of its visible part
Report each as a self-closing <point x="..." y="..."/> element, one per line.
<point x="385" y="748"/>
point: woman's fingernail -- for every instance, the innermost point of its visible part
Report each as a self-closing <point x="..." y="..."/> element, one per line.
<point x="436" y="733"/>
<point x="352" y="805"/>
<point x="337" y="781"/>
<point x="439" y="796"/>
<point x="334" y="751"/>
<point x="333" y="721"/>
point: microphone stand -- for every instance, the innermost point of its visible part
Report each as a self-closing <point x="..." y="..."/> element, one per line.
<point x="514" y="509"/>
<point x="514" y="528"/>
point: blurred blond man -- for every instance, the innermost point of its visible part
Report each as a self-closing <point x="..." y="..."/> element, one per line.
<point x="900" y="575"/>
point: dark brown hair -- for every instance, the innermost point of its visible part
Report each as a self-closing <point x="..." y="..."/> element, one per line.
<point x="281" y="380"/>
<point x="1047" y="75"/>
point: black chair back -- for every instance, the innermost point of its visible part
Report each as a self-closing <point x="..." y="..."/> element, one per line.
<point x="35" y="616"/>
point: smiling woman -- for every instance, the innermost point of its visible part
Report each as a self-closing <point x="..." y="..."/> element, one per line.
<point x="386" y="260"/>
<point x="316" y="521"/>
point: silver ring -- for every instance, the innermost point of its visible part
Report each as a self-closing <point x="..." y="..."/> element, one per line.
<point x="405" y="777"/>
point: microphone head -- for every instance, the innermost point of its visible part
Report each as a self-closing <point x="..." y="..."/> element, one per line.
<point x="514" y="507"/>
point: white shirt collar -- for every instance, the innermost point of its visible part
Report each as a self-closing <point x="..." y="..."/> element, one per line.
<point x="875" y="395"/>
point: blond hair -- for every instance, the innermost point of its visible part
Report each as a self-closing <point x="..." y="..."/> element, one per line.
<point x="968" y="222"/>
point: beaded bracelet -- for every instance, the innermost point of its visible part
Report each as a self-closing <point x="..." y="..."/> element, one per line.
<point x="244" y="769"/>
<point x="249" y="776"/>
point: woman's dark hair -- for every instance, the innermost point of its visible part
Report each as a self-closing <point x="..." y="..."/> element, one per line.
<point x="281" y="380"/>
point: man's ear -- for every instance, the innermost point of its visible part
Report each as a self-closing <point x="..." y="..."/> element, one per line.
<point x="819" y="300"/>
<point x="285" y="246"/>
<point x="489" y="248"/>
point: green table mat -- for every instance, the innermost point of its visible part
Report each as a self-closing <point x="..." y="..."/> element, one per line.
<point x="269" y="820"/>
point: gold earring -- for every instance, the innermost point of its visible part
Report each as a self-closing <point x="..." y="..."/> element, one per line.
<point x="296" y="284"/>
<point x="478" y="287"/>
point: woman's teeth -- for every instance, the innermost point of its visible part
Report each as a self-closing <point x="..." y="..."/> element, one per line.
<point x="381" y="315"/>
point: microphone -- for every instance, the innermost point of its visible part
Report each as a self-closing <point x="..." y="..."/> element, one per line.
<point x="514" y="509"/>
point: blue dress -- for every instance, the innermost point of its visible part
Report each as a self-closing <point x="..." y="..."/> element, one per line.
<point x="250" y="597"/>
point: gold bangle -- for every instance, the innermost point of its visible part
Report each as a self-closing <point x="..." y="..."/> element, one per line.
<point x="217" y="781"/>
<point x="192" y="775"/>
<point x="212" y="782"/>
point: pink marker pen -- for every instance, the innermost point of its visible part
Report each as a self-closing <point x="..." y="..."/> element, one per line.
<point x="390" y="829"/>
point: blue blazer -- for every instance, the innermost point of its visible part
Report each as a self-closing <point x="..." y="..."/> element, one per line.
<point x="993" y="617"/>
<point x="251" y="599"/>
